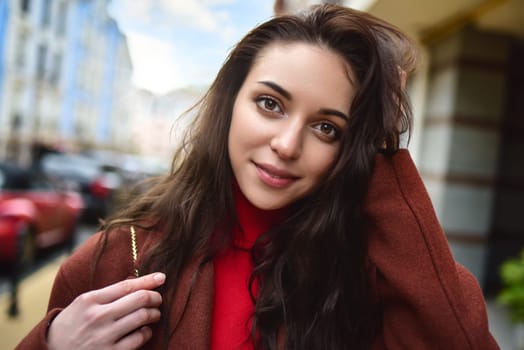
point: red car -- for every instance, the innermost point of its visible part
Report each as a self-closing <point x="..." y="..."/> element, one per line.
<point x="34" y="214"/>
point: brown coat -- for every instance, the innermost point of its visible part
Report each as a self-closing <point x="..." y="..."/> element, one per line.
<point x="429" y="301"/>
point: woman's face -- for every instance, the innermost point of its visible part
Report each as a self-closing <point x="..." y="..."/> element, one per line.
<point x="287" y="121"/>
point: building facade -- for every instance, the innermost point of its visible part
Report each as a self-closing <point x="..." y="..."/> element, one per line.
<point x="4" y="13"/>
<point x="66" y="66"/>
<point x="96" y="80"/>
<point x="160" y="121"/>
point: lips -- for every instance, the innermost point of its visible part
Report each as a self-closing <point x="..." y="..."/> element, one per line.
<point x="273" y="176"/>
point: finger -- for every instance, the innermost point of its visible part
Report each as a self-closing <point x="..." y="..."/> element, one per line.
<point x="134" y="301"/>
<point x="134" y="340"/>
<point x="133" y="321"/>
<point x="122" y="288"/>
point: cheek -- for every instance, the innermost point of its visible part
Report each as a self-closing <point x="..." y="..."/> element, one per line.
<point x="237" y="133"/>
<point x="320" y="162"/>
<point x="243" y="136"/>
<point x="247" y="127"/>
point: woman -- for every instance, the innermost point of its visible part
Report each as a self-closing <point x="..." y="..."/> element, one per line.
<point x="290" y="218"/>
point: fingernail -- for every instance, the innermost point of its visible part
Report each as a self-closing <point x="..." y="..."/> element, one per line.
<point x="159" y="277"/>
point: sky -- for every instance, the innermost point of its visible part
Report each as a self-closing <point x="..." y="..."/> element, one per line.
<point x="182" y="43"/>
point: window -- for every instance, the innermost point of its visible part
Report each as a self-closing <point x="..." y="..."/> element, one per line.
<point x="25" y="6"/>
<point x="46" y="13"/>
<point x="16" y="122"/>
<point x="54" y="77"/>
<point x="20" y="50"/>
<point x="41" y="61"/>
<point x="61" y="19"/>
<point x="39" y="183"/>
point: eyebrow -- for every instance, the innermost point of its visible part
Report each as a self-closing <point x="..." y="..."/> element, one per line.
<point x="277" y="88"/>
<point x="287" y="95"/>
<point x="329" y="111"/>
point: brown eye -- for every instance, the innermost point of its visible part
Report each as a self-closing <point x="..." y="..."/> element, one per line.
<point x="268" y="104"/>
<point x="327" y="130"/>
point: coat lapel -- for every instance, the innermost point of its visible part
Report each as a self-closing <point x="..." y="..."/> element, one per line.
<point x="191" y="326"/>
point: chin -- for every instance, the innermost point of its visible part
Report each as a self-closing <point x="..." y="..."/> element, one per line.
<point x="267" y="203"/>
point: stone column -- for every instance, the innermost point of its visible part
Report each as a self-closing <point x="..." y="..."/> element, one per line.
<point x="460" y="142"/>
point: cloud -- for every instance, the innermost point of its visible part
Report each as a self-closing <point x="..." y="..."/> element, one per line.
<point x="163" y="16"/>
<point x="204" y="15"/>
<point x="152" y="62"/>
<point x="193" y="12"/>
<point x="176" y="43"/>
<point x="161" y="66"/>
<point x="127" y="12"/>
<point x="219" y="2"/>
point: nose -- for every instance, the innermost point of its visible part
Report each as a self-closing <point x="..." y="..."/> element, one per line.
<point x="287" y="142"/>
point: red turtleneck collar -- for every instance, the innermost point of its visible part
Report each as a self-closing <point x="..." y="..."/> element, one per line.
<point x="233" y="307"/>
<point x="252" y="220"/>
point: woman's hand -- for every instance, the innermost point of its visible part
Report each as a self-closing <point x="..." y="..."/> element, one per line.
<point x="114" y="317"/>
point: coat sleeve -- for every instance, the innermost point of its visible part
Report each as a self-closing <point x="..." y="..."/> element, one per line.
<point x="74" y="278"/>
<point x="61" y="296"/>
<point x="428" y="300"/>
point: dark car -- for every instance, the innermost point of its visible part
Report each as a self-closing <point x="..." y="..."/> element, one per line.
<point x="35" y="214"/>
<point x="96" y="182"/>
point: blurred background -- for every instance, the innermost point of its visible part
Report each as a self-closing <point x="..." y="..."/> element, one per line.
<point x="91" y="92"/>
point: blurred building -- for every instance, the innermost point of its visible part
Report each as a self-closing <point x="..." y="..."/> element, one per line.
<point x="158" y="122"/>
<point x="3" y="36"/>
<point x="96" y="80"/>
<point x="66" y="69"/>
<point x="469" y="119"/>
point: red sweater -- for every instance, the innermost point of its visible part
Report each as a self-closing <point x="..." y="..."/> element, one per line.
<point x="233" y="308"/>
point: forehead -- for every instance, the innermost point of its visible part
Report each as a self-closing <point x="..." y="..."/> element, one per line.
<point x="305" y="69"/>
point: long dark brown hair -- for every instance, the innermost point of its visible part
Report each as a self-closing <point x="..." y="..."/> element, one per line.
<point x="313" y="282"/>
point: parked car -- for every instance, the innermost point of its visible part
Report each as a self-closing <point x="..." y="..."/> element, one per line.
<point x="35" y="214"/>
<point x="95" y="181"/>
